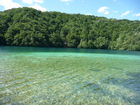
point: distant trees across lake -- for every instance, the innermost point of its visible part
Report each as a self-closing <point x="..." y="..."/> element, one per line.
<point x="30" y="27"/>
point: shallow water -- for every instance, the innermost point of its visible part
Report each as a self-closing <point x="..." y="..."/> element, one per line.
<point x="53" y="76"/>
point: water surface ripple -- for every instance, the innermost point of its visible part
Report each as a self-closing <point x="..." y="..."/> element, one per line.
<point x="55" y="76"/>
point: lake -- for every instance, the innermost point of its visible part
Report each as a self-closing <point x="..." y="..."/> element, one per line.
<point x="65" y="76"/>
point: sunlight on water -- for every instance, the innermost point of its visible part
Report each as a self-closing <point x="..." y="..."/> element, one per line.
<point x="45" y="76"/>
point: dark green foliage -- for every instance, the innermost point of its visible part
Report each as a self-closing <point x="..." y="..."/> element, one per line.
<point x="29" y="27"/>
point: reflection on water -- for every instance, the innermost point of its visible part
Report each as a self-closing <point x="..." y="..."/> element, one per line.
<point x="40" y="76"/>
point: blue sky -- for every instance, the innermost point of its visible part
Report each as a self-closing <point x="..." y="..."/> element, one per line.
<point x="120" y="9"/>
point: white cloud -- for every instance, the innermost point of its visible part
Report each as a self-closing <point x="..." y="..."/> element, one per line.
<point x="125" y="13"/>
<point x="38" y="1"/>
<point x="38" y="7"/>
<point x="138" y="14"/>
<point x="65" y="0"/>
<point x="8" y="4"/>
<point x="103" y="10"/>
<point x="32" y="1"/>
<point x="27" y="1"/>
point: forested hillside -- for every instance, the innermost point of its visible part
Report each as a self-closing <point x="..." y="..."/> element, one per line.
<point x="30" y="27"/>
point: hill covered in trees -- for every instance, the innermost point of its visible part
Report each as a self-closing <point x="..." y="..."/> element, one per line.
<point x="30" y="27"/>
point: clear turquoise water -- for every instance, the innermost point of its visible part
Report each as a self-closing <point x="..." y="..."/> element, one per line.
<point x="53" y="76"/>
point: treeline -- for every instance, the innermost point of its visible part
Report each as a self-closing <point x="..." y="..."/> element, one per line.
<point x="30" y="27"/>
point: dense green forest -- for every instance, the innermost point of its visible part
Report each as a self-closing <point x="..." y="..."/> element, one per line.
<point x="30" y="27"/>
